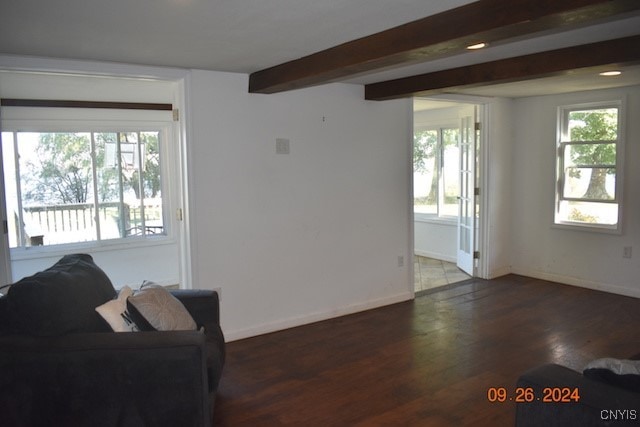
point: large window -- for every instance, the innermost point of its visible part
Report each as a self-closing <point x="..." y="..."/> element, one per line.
<point x="436" y="171"/>
<point x="74" y="182"/>
<point x="589" y="166"/>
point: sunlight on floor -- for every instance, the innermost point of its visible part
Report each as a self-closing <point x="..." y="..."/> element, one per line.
<point x="431" y="273"/>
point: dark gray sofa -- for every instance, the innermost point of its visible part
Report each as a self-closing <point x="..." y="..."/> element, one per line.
<point x="603" y="401"/>
<point x="60" y="364"/>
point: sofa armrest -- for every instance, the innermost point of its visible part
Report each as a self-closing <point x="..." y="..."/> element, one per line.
<point x="596" y="400"/>
<point x="105" y="379"/>
<point x="203" y="305"/>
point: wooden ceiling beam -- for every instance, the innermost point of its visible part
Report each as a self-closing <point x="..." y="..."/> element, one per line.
<point x="436" y="36"/>
<point x="624" y="51"/>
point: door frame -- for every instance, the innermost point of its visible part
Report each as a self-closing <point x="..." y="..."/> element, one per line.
<point x="482" y="225"/>
<point x="481" y="243"/>
<point x="5" y="257"/>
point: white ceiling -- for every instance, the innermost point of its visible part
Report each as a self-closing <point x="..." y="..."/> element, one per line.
<point x="244" y="35"/>
<point x="224" y="35"/>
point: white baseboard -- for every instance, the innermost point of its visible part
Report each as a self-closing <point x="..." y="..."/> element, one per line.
<point x="434" y="255"/>
<point x="582" y="283"/>
<point x="314" y="317"/>
<point x="405" y="296"/>
<point x="498" y="272"/>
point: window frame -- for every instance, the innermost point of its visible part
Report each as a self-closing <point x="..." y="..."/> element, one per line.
<point x="438" y="217"/>
<point x="562" y="142"/>
<point x="33" y="119"/>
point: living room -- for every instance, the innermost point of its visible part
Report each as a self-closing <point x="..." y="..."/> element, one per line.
<point x="326" y="230"/>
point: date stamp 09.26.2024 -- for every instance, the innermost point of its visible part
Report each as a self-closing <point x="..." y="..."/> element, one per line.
<point x="528" y="395"/>
<point x="553" y="395"/>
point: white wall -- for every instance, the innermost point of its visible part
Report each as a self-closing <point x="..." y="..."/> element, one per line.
<point x="297" y="238"/>
<point x="496" y="189"/>
<point x="435" y="239"/>
<point x="588" y="259"/>
<point x="289" y="239"/>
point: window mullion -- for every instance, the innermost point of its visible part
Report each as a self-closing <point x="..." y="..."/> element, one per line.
<point x="94" y="173"/>
<point x="561" y="169"/>
<point x="576" y="199"/>
<point x="121" y="217"/>
<point x="598" y="166"/>
<point x="594" y="142"/>
<point x="141" y="187"/>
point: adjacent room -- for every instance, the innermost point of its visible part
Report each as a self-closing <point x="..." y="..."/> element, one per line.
<point x="422" y="213"/>
<point x="438" y="131"/>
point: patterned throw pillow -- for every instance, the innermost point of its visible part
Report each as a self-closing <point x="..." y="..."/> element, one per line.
<point x="116" y="314"/>
<point x="161" y="310"/>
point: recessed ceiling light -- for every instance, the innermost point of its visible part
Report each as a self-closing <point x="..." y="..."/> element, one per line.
<point x="477" y="46"/>
<point x="611" y="73"/>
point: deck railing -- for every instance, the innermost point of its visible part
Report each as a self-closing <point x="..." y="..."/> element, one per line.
<point x="77" y="222"/>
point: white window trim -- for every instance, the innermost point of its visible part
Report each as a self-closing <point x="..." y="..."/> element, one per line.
<point x="621" y="104"/>
<point x="434" y="219"/>
<point x="28" y="119"/>
<point x="180" y="94"/>
<point x="430" y="217"/>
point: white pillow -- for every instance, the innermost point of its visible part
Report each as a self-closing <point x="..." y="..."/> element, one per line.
<point x="617" y="366"/>
<point x="162" y="310"/>
<point x="115" y="312"/>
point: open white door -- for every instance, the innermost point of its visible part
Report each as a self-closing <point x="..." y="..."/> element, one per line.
<point x="466" y="200"/>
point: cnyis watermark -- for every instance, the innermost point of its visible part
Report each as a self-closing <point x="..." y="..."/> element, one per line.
<point x="618" y="414"/>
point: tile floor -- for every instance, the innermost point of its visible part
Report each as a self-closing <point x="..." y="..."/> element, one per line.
<point x="431" y="273"/>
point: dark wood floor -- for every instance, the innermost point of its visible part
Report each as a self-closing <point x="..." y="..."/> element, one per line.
<point x="427" y="362"/>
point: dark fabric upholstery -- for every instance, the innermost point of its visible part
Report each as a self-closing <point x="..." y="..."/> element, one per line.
<point x="203" y="305"/>
<point x="595" y="397"/>
<point x="3" y="316"/>
<point x="59" y="300"/>
<point x="628" y="381"/>
<point x="64" y="375"/>
<point x="215" y="353"/>
<point x="137" y="379"/>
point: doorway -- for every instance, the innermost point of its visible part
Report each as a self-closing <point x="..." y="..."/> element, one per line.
<point x="445" y="176"/>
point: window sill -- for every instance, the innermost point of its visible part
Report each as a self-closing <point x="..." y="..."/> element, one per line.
<point x="428" y="219"/>
<point x="601" y="229"/>
<point x="34" y="252"/>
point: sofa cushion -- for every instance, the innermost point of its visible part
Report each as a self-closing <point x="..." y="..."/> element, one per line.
<point x="618" y="372"/>
<point x="115" y="312"/>
<point x="59" y="300"/>
<point x="160" y="309"/>
<point x="141" y="322"/>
